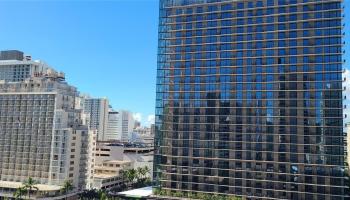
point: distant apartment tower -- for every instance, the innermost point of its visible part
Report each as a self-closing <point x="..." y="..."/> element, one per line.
<point x="41" y="137"/>
<point x="112" y="126"/>
<point x="119" y="126"/>
<point x="143" y="135"/>
<point x="126" y="124"/>
<point x="143" y="130"/>
<point x="14" y="66"/>
<point x="153" y="129"/>
<point x="11" y="55"/>
<point x="98" y="110"/>
<point x="249" y="98"/>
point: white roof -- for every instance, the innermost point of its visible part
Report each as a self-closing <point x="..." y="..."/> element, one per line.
<point x="141" y="192"/>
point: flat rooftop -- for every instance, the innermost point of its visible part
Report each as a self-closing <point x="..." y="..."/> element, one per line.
<point x="108" y="168"/>
<point x="105" y="176"/>
<point x="116" y="162"/>
<point x="138" y="193"/>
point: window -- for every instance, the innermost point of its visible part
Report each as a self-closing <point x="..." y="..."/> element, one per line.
<point x="240" y="5"/>
<point x="212" y="8"/>
<point x="259" y="4"/>
<point x="270" y="2"/>
<point x="199" y="9"/>
<point x="293" y="9"/>
<point x="226" y="7"/>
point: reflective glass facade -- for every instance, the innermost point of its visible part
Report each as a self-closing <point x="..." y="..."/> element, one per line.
<point x="249" y="98"/>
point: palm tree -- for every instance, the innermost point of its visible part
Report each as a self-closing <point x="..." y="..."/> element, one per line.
<point x="139" y="173"/>
<point x="125" y="176"/>
<point x="19" y="192"/>
<point x="102" y="195"/>
<point x="84" y="195"/>
<point x="89" y="194"/>
<point x="67" y="186"/>
<point x="147" y="169"/>
<point x="29" y="185"/>
<point x="132" y="175"/>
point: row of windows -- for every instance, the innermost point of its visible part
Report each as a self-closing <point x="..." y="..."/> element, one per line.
<point x="283" y="66"/>
<point x="258" y="190"/>
<point x="260" y="125"/>
<point x="209" y="51"/>
<point x="27" y="97"/>
<point x="245" y="100"/>
<point x="309" y="81"/>
<point x="251" y="166"/>
<point x="243" y="18"/>
<point x="226" y="28"/>
<point x="261" y="37"/>
<point x="237" y="181"/>
<point x="232" y="19"/>
<point x="282" y="157"/>
<point x="227" y="58"/>
<point x="259" y="30"/>
<point x="249" y="71"/>
<point x="266" y="89"/>
<point x="225" y="140"/>
<point x="235" y="148"/>
<point x="261" y="62"/>
<point x="258" y="90"/>
<point x="166" y="68"/>
<point x="326" y="54"/>
<point x="283" y="5"/>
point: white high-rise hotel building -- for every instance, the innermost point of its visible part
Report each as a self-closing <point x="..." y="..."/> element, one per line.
<point x="113" y="126"/>
<point x="97" y="108"/>
<point x="41" y="131"/>
<point x="126" y="124"/>
<point x="110" y="124"/>
<point x="119" y="126"/>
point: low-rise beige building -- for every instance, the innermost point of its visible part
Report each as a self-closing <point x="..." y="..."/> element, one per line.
<point x="109" y="173"/>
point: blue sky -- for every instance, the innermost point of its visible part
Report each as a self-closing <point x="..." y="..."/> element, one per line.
<point x="106" y="48"/>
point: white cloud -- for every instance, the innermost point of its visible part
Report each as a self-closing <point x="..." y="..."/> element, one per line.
<point x="346" y="92"/>
<point x="137" y="116"/>
<point x="150" y="119"/>
<point x="145" y="121"/>
<point x="346" y="83"/>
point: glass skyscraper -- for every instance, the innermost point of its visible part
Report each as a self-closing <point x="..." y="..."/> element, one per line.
<point x="249" y="98"/>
